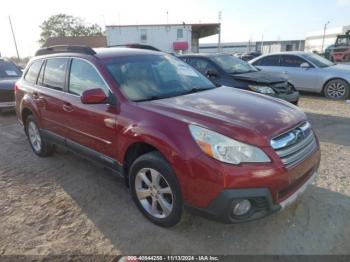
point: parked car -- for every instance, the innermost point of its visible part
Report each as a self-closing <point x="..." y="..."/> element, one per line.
<point x="9" y="74"/>
<point x="250" y="55"/>
<point x="228" y="70"/>
<point x="138" y="46"/>
<point x="176" y="138"/>
<point x="308" y="72"/>
<point x="328" y="51"/>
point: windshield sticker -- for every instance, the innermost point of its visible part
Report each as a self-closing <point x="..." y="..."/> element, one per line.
<point x="187" y="71"/>
<point x="11" y="73"/>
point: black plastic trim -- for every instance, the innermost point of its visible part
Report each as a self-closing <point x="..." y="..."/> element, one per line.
<point x="93" y="155"/>
<point x="221" y="207"/>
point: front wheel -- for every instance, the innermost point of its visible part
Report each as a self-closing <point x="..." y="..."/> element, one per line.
<point x="337" y="89"/>
<point x="155" y="189"/>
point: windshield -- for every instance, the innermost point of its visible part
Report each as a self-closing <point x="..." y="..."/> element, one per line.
<point x="318" y="60"/>
<point x="150" y="77"/>
<point x="8" y="70"/>
<point x="233" y="65"/>
<point x="343" y="40"/>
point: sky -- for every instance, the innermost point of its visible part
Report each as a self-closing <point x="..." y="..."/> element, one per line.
<point x="242" y="20"/>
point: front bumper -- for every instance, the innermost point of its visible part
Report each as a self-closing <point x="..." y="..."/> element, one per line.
<point x="11" y="104"/>
<point x="262" y="202"/>
<point x="292" y="97"/>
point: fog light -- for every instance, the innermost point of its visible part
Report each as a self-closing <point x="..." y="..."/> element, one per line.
<point x="242" y="207"/>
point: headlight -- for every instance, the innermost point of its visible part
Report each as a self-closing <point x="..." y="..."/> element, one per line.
<point x="226" y="149"/>
<point x="262" y="89"/>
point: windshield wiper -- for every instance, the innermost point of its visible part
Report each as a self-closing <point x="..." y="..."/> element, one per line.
<point x="196" y="90"/>
<point x="191" y="91"/>
<point x="148" y="99"/>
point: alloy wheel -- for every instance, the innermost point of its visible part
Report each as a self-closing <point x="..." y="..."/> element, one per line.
<point x="154" y="193"/>
<point x="34" y="136"/>
<point x="336" y="90"/>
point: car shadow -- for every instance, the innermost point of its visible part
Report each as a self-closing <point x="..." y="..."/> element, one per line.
<point x="331" y="129"/>
<point x="316" y="224"/>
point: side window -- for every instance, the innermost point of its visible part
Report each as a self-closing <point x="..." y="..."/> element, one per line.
<point x="268" y="61"/>
<point x="202" y="65"/>
<point x="143" y="35"/>
<point x="55" y="73"/>
<point x="291" y="61"/>
<point x="84" y="76"/>
<point x="180" y="33"/>
<point x="33" y="71"/>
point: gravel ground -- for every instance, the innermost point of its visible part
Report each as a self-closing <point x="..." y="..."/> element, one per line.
<point x="66" y="205"/>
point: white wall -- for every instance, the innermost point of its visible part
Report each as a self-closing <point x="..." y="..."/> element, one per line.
<point x="159" y="36"/>
<point x="313" y="41"/>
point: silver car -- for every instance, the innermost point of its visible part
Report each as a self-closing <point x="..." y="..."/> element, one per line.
<point x="308" y="72"/>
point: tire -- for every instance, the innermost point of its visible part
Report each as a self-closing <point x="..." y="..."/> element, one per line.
<point x="347" y="58"/>
<point x="337" y="89"/>
<point x="39" y="145"/>
<point x="150" y="175"/>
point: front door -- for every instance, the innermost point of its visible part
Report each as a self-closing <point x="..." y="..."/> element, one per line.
<point x="90" y="125"/>
<point x="302" y="78"/>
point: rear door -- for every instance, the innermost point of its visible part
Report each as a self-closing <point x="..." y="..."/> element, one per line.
<point x="52" y="81"/>
<point x="89" y="125"/>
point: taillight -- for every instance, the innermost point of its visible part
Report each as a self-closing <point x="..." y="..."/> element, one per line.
<point x="16" y="88"/>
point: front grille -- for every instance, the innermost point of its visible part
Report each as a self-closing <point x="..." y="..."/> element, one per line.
<point x="340" y="50"/>
<point x="282" y="88"/>
<point x="296" y="145"/>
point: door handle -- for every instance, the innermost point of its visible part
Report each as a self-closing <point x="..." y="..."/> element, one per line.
<point x="285" y="72"/>
<point x="67" y="107"/>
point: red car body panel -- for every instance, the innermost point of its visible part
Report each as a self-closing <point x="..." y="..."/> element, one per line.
<point x="247" y="117"/>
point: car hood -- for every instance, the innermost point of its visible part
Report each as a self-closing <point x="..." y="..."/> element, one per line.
<point x="240" y="114"/>
<point x="339" y="68"/>
<point x="259" y="77"/>
<point x="7" y="83"/>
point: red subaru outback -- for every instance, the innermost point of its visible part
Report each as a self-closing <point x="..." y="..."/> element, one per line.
<point x="177" y="139"/>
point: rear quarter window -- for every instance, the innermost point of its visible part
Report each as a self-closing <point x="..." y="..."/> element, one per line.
<point x="33" y="71"/>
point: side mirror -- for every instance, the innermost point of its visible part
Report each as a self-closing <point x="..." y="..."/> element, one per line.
<point x="305" y="65"/>
<point x="93" y="96"/>
<point x="211" y="73"/>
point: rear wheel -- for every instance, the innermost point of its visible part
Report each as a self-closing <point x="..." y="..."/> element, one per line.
<point x="337" y="89"/>
<point x="38" y="144"/>
<point x="155" y="189"/>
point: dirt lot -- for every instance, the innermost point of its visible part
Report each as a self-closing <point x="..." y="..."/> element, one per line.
<point x="66" y="205"/>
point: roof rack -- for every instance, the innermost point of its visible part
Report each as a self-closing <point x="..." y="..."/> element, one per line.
<point x="65" y="49"/>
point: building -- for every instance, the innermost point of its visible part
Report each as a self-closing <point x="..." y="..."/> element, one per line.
<point x="244" y="47"/>
<point x="314" y="40"/>
<point x="267" y="47"/>
<point x="90" y="41"/>
<point x="172" y="38"/>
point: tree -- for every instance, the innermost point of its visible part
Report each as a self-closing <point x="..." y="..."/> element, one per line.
<point x="67" y="25"/>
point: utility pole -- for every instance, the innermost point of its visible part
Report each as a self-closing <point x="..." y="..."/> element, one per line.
<point x="324" y="35"/>
<point x="14" y="38"/>
<point x="219" y="40"/>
